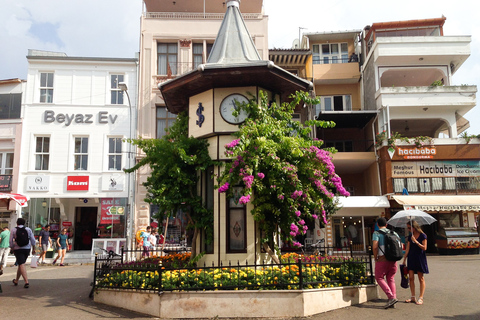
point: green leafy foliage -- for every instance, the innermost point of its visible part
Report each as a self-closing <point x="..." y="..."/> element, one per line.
<point x="283" y="171"/>
<point x="175" y="162"/>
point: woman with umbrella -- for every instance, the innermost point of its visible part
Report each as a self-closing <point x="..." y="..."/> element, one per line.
<point x="417" y="259"/>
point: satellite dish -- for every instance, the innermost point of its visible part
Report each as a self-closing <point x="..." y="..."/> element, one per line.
<point x="296" y="44"/>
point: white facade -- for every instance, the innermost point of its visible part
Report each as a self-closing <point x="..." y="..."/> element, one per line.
<point x="73" y="148"/>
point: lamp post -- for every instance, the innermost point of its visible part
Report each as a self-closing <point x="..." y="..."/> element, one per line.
<point x="123" y="86"/>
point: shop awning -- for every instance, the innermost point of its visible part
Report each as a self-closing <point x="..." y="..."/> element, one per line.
<point x="441" y="203"/>
<point x="18" y="198"/>
<point x="362" y="206"/>
<point x="364" y="202"/>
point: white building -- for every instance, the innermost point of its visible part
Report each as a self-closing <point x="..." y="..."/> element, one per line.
<point x="73" y="148"/>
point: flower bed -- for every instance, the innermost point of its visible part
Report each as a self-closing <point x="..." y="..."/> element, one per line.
<point x="295" y="272"/>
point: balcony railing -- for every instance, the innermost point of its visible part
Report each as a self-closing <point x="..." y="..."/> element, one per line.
<point x="197" y="15"/>
<point x="173" y="70"/>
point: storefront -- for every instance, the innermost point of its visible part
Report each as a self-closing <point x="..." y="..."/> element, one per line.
<point x="456" y="228"/>
<point x="355" y="221"/>
<point x="88" y="221"/>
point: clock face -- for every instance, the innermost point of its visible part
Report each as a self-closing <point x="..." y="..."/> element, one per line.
<point x="228" y="105"/>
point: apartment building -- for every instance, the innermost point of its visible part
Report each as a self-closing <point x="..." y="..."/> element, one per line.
<point x="176" y="37"/>
<point x="398" y="125"/>
<point x="335" y="69"/>
<point x="11" y="93"/>
<point x="76" y="117"/>
<point x="424" y="160"/>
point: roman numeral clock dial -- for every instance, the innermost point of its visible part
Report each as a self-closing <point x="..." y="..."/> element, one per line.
<point x="229" y="105"/>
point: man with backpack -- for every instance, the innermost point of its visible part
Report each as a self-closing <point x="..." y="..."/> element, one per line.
<point x="21" y="242"/>
<point x="386" y="249"/>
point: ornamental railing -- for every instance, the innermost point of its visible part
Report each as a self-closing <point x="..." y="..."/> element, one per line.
<point x="307" y="272"/>
<point x="197" y="15"/>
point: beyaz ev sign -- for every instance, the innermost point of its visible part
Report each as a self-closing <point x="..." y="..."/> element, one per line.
<point x="101" y="117"/>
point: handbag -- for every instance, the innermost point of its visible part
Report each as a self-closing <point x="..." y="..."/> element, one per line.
<point x="34" y="262"/>
<point x="404" y="274"/>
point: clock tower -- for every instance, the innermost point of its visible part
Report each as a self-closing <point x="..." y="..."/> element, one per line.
<point x="234" y="72"/>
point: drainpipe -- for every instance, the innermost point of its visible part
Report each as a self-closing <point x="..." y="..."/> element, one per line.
<point x="376" y="155"/>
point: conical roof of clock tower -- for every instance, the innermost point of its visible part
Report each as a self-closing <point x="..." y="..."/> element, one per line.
<point x="233" y="44"/>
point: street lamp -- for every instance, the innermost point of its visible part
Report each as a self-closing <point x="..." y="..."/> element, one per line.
<point x="123" y="86"/>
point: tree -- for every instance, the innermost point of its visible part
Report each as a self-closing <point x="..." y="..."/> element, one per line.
<point x="286" y="174"/>
<point x="175" y="162"/>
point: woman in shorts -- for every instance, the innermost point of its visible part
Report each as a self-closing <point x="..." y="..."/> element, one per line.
<point x="62" y="243"/>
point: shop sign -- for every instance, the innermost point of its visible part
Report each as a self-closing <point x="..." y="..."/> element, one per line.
<point x="406" y="169"/>
<point x="102" y="117"/>
<point x="77" y="183"/>
<point x="67" y="223"/>
<point x="113" y="182"/>
<point x="111" y="210"/>
<point x="449" y="208"/>
<point x="416" y="153"/>
<point x="6" y="182"/>
<point x="38" y="183"/>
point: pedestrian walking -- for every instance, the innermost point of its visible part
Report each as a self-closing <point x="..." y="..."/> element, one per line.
<point x="385" y="270"/>
<point x="4" y="248"/>
<point x="62" y="244"/>
<point x="416" y="260"/>
<point x="21" y="242"/>
<point x="44" y="241"/>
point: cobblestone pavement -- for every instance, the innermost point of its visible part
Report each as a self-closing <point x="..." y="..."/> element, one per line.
<point x="453" y="292"/>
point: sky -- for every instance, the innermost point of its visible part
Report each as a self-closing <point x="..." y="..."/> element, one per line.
<point x="111" y="28"/>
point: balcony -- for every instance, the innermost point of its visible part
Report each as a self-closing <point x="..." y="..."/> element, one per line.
<point x="173" y="70"/>
<point x="196" y="15"/>
<point x="336" y="73"/>
<point x="404" y="51"/>
<point x="435" y="99"/>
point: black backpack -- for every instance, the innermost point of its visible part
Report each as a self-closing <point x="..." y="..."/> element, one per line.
<point x="21" y="237"/>
<point x="393" y="245"/>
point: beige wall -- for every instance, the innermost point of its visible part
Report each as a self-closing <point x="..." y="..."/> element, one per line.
<point x="341" y="89"/>
<point x="171" y="30"/>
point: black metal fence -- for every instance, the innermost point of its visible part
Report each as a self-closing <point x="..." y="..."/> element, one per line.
<point x="299" y="272"/>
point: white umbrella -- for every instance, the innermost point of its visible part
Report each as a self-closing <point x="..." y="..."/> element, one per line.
<point x="401" y="218"/>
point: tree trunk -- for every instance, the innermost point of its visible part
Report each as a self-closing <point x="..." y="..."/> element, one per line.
<point x="271" y="253"/>
<point x="194" y="243"/>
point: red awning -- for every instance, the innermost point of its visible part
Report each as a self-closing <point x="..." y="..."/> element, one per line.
<point x="18" y="198"/>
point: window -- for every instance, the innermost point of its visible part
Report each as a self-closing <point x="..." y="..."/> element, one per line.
<point x="164" y="120"/>
<point x="80" y="153"/>
<point x="330" y="53"/>
<point x="115" y="92"/>
<point x="46" y="87"/>
<point x="167" y="58"/>
<point x="334" y="103"/>
<point x="236" y="223"/>
<point x="6" y="163"/>
<point x="10" y="106"/>
<point x="42" y="153"/>
<point x="197" y="54"/>
<point x="114" y="153"/>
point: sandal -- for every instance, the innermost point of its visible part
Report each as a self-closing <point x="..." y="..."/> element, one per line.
<point x="15" y="283"/>
<point x="419" y="301"/>
<point x="411" y="300"/>
<point x="27" y="285"/>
